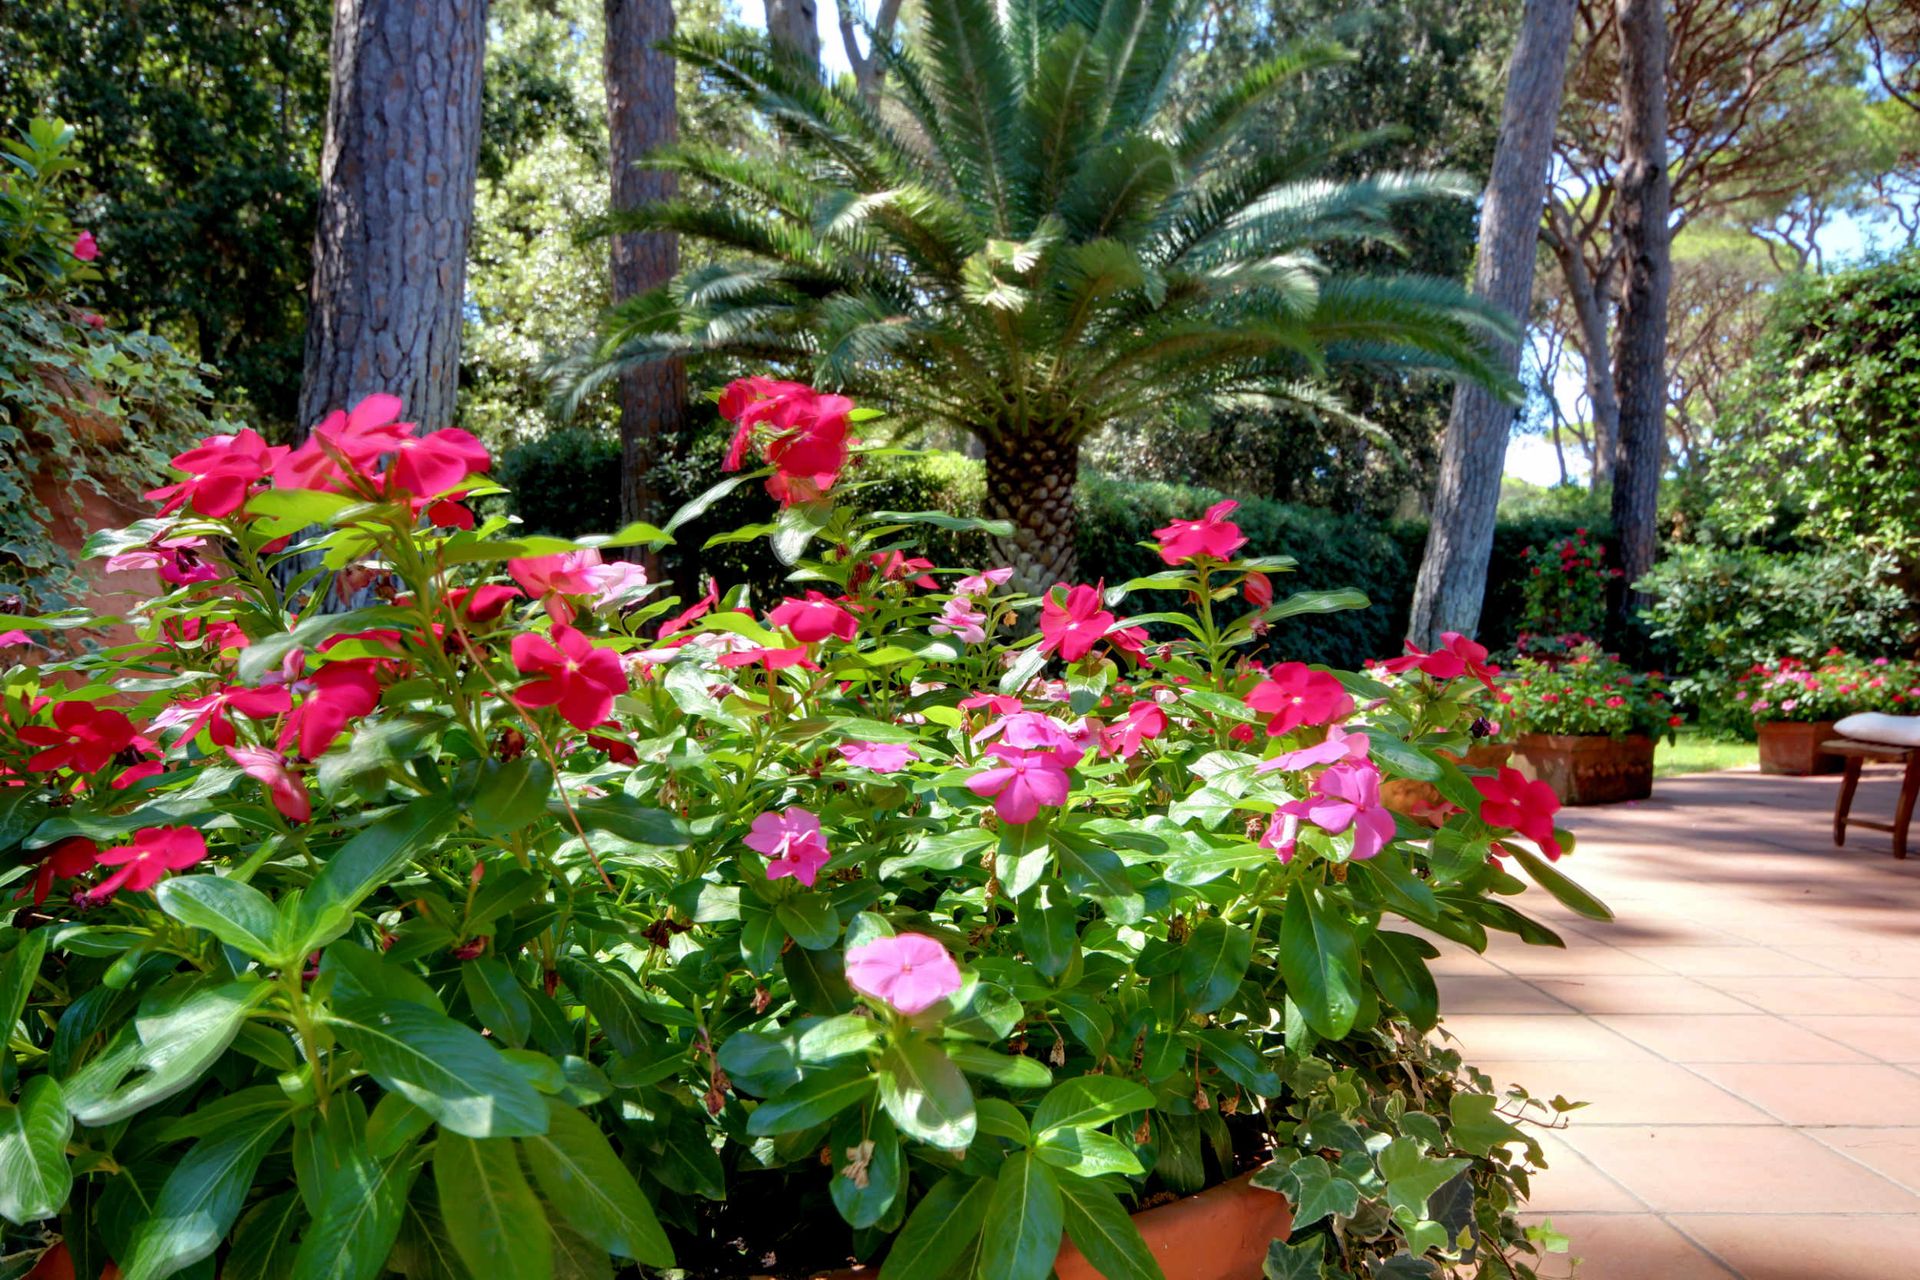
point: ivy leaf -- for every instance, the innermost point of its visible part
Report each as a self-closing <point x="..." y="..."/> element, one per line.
<point x="1304" y="1261"/>
<point x="1318" y="1192"/>
<point x="1412" y="1176"/>
<point x="34" y="1175"/>
<point x="494" y="1220"/>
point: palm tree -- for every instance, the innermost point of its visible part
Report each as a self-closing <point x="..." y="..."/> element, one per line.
<point x="1030" y="236"/>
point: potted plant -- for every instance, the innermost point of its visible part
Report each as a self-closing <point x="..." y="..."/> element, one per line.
<point x="1478" y="702"/>
<point x="1587" y="724"/>
<point x="533" y="914"/>
<point x="1794" y="704"/>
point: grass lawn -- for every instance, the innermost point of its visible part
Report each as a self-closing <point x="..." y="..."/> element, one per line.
<point x="1695" y="754"/>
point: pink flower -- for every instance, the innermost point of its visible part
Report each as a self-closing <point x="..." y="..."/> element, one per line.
<point x="1022" y="782"/>
<point x="570" y="672"/>
<point x="565" y="573"/>
<point x="1509" y="800"/>
<point x="346" y="445"/>
<point x="1617" y="701"/>
<point x="1144" y="721"/>
<point x="145" y="862"/>
<point x="211" y="712"/>
<point x="792" y="843"/>
<point x="814" y="618"/>
<point x="1031" y="731"/>
<point x="1338" y="745"/>
<point x="897" y="566"/>
<point x="83" y="737"/>
<point x="94" y="320"/>
<point x="1001" y="704"/>
<point x="336" y="695"/>
<point x="483" y="603"/>
<point x="803" y="433"/>
<point x="176" y="560"/>
<point x="220" y="470"/>
<point x="959" y="620"/>
<point x="881" y="757"/>
<point x="909" y="971"/>
<point x="85" y="247"/>
<point x="436" y="462"/>
<point x="1071" y="626"/>
<point x="771" y="659"/>
<point x="982" y="583"/>
<point x="1212" y="535"/>
<point x="1456" y="656"/>
<point x="1346" y="796"/>
<point x="617" y="583"/>
<point x="1294" y="694"/>
<point x="284" y="788"/>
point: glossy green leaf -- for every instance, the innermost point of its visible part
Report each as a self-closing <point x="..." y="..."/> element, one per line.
<point x="1317" y="1190"/>
<point x="1320" y="962"/>
<point x="18" y="970"/>
<point x="497" y="999"/>
<point x="1025" y="1220"/>
<point x="34" y="1174"/>
<point x="809" y="920"/>
<point x="447" y="1070"/>
<point x="1399" y="968"/>
<point x="361" y="1205"/>
<point x="179" y="1032"/>
<point x="1303" y="1261"/>
<point x="581" y="1176"/>
<point x="1105" y="1235"/>
<point x="869" y="1170"/>
<point x="925" y="1094"/>
<point x="1088" y="1102"/>
<point x="1550" y="878"/>
<point x="1087" y="1153"/>
<point x="370" y="859"/>
<point x="263" y="1243"/>
<point x="509" y="796"/>
<point x="1012" y="1070"/>
<point x="814" y="1101"/>
<point x="200" y="1199"/>
<point x="238" y="914"/>
<point x="944" y="1226"/>
<point x="1412" y="1175"/>
<point x="1213" y="960"/>
<point x="1048" y="935"/>
<point x="495" y="1222"/>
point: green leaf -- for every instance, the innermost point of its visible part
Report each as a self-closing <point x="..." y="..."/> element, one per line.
<point x="263" y="1244"/>
<point x="1025" y="1219"/>
<point x="869" y="1171"/>
<point x="200" y="1199"/>
<point x="18" y="971"/>
<point x="925" y="1094"/>
<point x="583" y="1178"/>
<point x="34" y="1175"/>
<point x="1315" y="602"/>
<point x="627" y="818"/>
<point x="238" y="914"/>
<point x="1048" y="934"/>
<point x="1011" y="1070"/>
<point x="498" y="999"/>
<point x="942" y="1227"/>
<point x="940" y="519"/>
<point x="1087" y="1153"/>
<point x="1304" y="1261"/>
<point x="1104" y="1234"/>
<point x="1320" y="963"/>
<point x="1213" y="960"/>
<point x="362" y="1203"/>
<point x="1317" y="1191"/>
<point x="795" y="527"/>
<point x="179" y="1032"/>
<point x="368" y="861"/>
<point x="492" y="1217"/>
<point x="447" y="1070"/>
<point x="1412" y="1176"/>
<point x="815" y="1100"/>
<point x="1001" y="1119"/>
<point x="509" y="796"/>
<point x="1477" y="1128"/>
<point x="1087" y="1102"/>
<point x="265" y="654"/>
<point x="1549" y="877"/>
<point x="1399" y="967"/>
<point x="809" y="920"/>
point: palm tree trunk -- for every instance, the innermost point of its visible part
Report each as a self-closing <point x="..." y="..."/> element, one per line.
<point x="1030" y="482"/>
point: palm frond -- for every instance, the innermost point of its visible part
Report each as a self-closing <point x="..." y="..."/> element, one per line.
<point x="1218" y="121"/>
<point x="973" y="88"/>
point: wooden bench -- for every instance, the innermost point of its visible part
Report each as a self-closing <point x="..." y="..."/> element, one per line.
<point x="1857" y="752"/>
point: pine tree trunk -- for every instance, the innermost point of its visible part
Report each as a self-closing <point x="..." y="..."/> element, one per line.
<point x="796" y="23"/>
<point x="1641" y="227"/>
<point x="641" y="116"/>
<point x="1030" y="481"/>
<point x="396" y="207"/>
<point x="1453" y="573"/>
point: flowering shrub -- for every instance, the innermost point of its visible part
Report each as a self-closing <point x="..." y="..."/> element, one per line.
<point x="1589" y="691"/>
<point x="532" y="917"/>
<point x="1565" y="588"/>
<point x="1827" y="688"/>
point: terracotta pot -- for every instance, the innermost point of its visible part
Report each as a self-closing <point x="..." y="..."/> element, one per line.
<point x="1220" y="1234"/>
<point x="1422" y="801"/>
<point x="1793" y="748"/>
<point x="1589" y="768"/>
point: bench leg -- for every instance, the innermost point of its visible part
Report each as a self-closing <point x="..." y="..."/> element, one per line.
<point x="1849" y="783"/>
<point x="1909" y="791"/>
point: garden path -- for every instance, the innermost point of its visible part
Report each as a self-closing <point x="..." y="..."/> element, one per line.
<point x="1747" y="1034"/>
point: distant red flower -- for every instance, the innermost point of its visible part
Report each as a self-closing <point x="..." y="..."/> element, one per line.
<point x="1456" y="656"/>
<point x="85" y="247"/>
<point x="1510" y="800"/>
<point x="1072" y="625"/>
<point x="83" y="737"/>
<point x="897" y="566"/>
<point x="145" y="862"/>
<point x="1212" y="535"/>
<point x="571" y="673"/>
<point x="814" y="618"/>
<point x="483" y="603"/>
<point x="1294" y="694"/>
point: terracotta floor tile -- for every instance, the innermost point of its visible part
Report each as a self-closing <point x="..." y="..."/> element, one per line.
<point x="1634" y="1092"/>
<point x="1731" y="1169"/>
<point x="1894" y="1153"/>
<point x="1571" y="1183"/>
<point x="1856" y="959"/>
<point x="1544" y="1037"/>
<point x="1495" y="993"/>
<point x="1891" y="1038"/>
<point x="1822" y="1093"/>
<point x="1750" y="1037"/>
<point x="1815" y="995"/>
<point x="1750" y="962"/>
<point x="1576" y="961"/>
<point x="1624" y="1246"/>
<point x="1806" y="1246"/>
<point x="1640" y="993"/>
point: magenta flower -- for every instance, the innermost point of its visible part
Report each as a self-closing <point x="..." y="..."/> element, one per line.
<point x="83" y="737"/>
<point x="548" y="578"/>
<point x="1294" y="694"/>
<point x="85" y="247"/>
<point x="881" y="757"/>
<point x="617" y="583"/>
<point x="1023" y="781"/>
<point x="336" y="695"/>
<point x="792" y="843"/>
<point x="814" y="618"/>
<point x="436" y="462"/>
<point x="353" y="439"/>
<point x="571" y="672"/>
<point x="221" y="471"/>
<point x="176" y="560"/>
<point x="961" y="621"/>
<point x="1032" y="731"/>
<point x="145" y="863"/>
<point x="284" y="788"/>
<point x="982" y="583"/>
<point x="1338" y="745"/>
<point x="1072" y="625"/>
<point x="1509" y="799"/>
<point x="1144" y="720"/>
<point x="1346" y="796"/>
<point x="909" y="971"/>
<point x="1211" y="535"/>
<point x="213" y="711"/>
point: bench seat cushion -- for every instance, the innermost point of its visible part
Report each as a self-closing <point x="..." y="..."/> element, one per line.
<point x="1874" y="726"/>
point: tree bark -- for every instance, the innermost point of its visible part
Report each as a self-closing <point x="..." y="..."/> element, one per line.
<point x="1641" y="227"/>
<point x="1453" y="572"/>
<point x="642" y="116"/>
<point x="396" y="207"/>
<point x="796" y="24"/>
<point x="1030" y="481"/>
<point x="1590" y="304"/>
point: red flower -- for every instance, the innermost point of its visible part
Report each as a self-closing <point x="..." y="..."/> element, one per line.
<point x="355" y="440"/>
<point x="71" y="857"/>
<point x="436" y="462"/>
<point x="572" y="673"/>
<point x="83" y="738"/>
<point x="284" y="788"/>
<point x="771" y="659"/>
<point x="803" y="434"/>
<point x="896" y="566"/>
<point x="482" y="603"/>
<point x="337" y="694"/>
<point x="220" y="472"/>
<point x="85" y="247"/>
<point x="1456" y="656"/>
<point x="1259" y="590"/>
<point x="1212" y="535"/>
<point x="212" y="711"/>
<point x="1510" y="800"/>
<point x="814" y="618"/>
<point x="145" y="863"/>
<point x="1070" y="626"/>
<point x="1294" y="694"/>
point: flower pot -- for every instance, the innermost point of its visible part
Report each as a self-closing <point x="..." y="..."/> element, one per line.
<point x="1792" y="747"/>
<point x="1220" y="1234"/>
<point x="1422" y="801"/>
<point x="1589" y="768"/>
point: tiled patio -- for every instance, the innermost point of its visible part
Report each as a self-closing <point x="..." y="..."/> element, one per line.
<point x="1747" y="1033"/>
